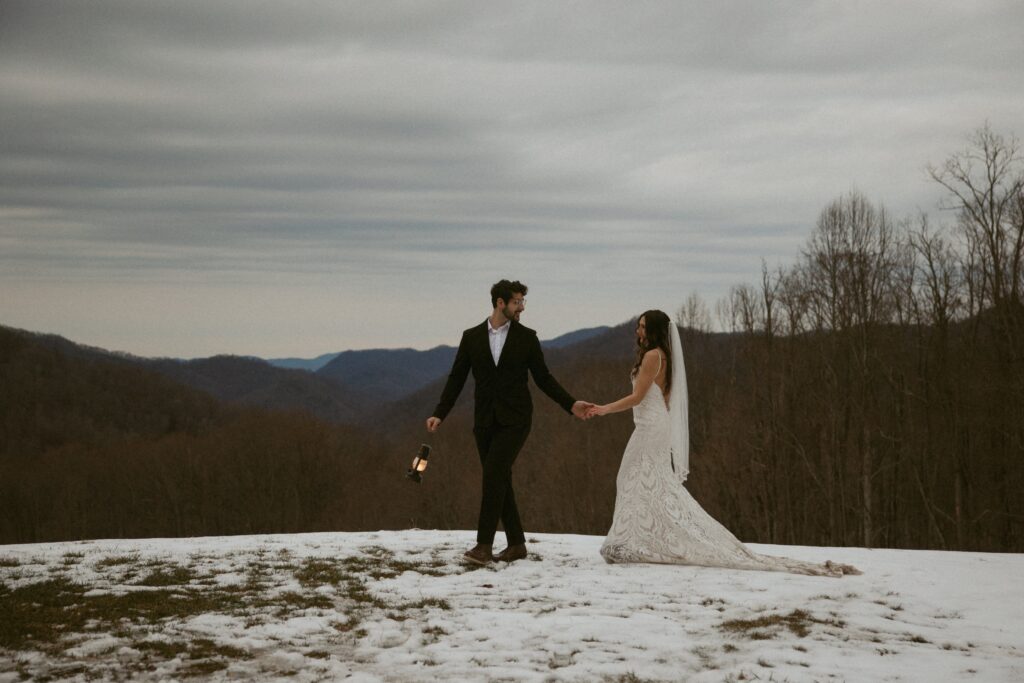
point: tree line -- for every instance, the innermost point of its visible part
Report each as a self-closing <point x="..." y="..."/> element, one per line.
<point x="877" y="396"/>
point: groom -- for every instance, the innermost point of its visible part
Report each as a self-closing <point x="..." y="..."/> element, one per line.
<point x="499" y="351"/>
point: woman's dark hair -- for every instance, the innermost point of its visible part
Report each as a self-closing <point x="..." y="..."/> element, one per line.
<point x="504" y="290"/>
<point x="657" y="323"/>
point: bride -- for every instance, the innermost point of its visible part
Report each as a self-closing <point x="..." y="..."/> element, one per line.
<point x="656" y="519"/>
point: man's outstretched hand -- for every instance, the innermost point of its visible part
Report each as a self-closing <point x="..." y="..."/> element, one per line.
<point x="581" y="408"/>
<point x="433" y="423"/>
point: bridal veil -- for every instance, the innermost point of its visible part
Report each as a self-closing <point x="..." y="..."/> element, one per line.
<point x="678" y="409"/>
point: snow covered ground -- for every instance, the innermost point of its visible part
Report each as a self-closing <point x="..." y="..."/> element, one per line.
<point x="398" y="606"/>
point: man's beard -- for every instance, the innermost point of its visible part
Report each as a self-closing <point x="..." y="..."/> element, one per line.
<point x="510" y="316"/>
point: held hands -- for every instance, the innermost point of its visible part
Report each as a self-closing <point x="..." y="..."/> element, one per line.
<point x="585" y="410"/>
<point x="433" y="423"/>
<point x="581" y="409"/>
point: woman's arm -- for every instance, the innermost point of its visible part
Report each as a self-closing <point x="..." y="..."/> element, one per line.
<point x="648" y="371"/>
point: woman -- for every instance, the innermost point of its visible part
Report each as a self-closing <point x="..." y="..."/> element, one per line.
<point x="656" y="519"/>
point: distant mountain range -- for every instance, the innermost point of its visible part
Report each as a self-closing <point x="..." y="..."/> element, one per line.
<point x="309" y="364"/>
<point x="253" y="381"/>
<point x="315" y="364"/>
<point x="343" y="387"/>
<point x="385" y="375"/>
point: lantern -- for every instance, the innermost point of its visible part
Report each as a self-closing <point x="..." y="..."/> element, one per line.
<point x="419" y="464"/>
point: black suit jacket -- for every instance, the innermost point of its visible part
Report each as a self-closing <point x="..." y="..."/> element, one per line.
<point x="502" y="394"/>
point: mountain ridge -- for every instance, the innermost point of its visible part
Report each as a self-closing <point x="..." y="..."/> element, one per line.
<point x="347" y="389"/>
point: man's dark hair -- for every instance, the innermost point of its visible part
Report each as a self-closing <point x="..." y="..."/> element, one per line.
<point x="505" y="289"/>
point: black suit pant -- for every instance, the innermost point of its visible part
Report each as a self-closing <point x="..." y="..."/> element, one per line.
<point x="498" y="446"/>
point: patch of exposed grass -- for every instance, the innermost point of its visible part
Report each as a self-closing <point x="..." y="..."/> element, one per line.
<point x="62" y="672"/>
<point x="349" y="575"/>
<point x="388" y="566"/>
<point x="762" y="628"/>
<point x="356" y="591"/>
<point x="317" y="572"/>
<point x="165" y="649"/>
<point x="207" y="657"/>
<point x="202" y="647"/>
<point x="628" y="677"/>
<point x="9" y="562"/>
<point x="426" y="568"/>
<point x="291" y="602"/>
<point x="116" y="560"/>
<point x="380" y="563"/>
<point x="154" y="606"/>
<point x="203" y="667"/>
<point x="344" y="626"/>
<point x="398" y="610"/>
<point x="168" y="575"/>
<point x="36" y="612"/>
<point x="43" y="613"/>
<point x="72" y="558"/>
<point x="256" y="577"/>
<point x="704" y="654"/>
<point x="425" y="603"/>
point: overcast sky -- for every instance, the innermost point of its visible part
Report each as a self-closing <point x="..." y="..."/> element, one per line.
<point x="191" y="178"/>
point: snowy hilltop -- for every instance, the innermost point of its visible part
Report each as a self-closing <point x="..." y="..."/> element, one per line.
<point x="399" y="606"/>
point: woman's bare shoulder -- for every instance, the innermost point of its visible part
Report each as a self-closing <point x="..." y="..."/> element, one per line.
<point x="652" y="356"/>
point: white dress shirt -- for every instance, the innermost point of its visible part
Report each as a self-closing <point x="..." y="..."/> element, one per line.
<point x="497" y="339"/>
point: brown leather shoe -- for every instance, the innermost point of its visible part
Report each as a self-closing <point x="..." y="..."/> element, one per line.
<point x="512" y="553"/>
<point x="480" y="554"/>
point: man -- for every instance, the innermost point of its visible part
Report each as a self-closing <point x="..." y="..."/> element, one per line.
<point x="500" y="351"/>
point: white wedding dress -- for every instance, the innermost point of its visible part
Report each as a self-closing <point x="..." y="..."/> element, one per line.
<point x="657" y="520"/>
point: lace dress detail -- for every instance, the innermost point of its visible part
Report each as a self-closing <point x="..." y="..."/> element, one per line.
<point x="657" y="520"/>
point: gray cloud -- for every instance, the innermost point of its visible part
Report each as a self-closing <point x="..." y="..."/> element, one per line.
<point x="393" y="159"/>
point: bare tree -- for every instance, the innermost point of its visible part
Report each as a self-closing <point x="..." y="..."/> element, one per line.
<point x="985" y="185"/>
<point x="938" y="274"/>
<point x="850" y="264"/>
<point x="792" y="298"/>
<point x="694" y="313"/>
<point x="770" y="284"/>
<point x="850" y="257"/>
